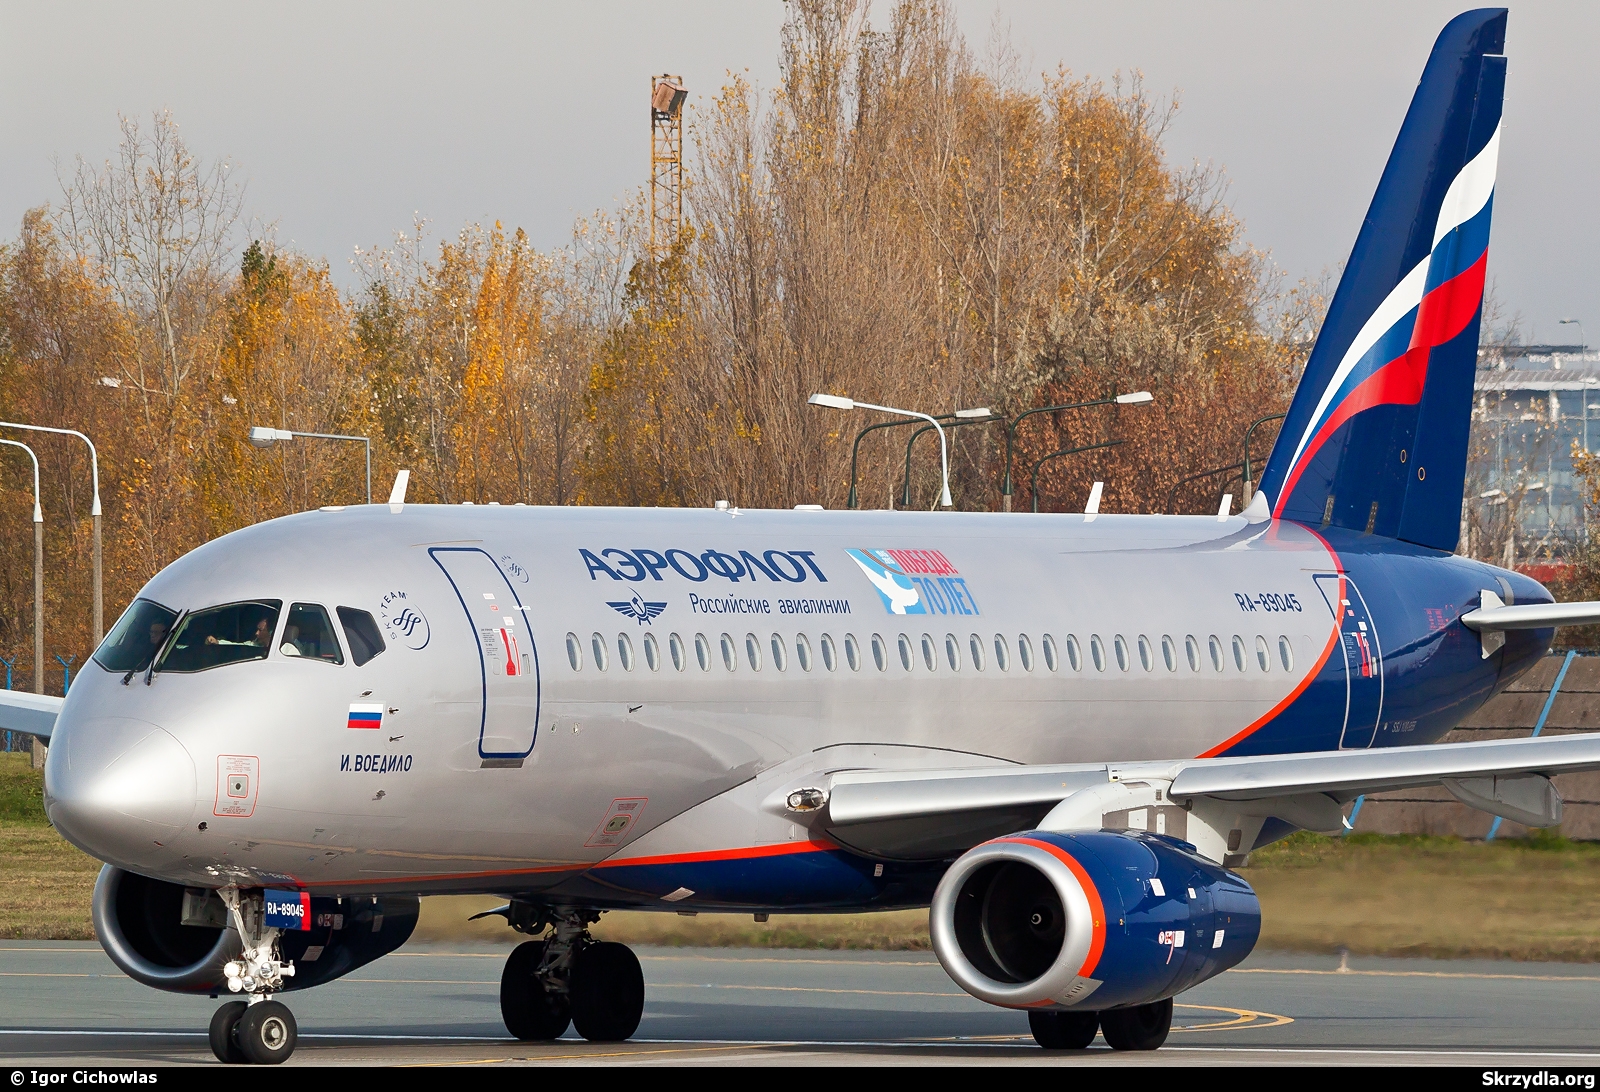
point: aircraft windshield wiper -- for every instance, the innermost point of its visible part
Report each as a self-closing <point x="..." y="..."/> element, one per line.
<point x="172" y="635"/>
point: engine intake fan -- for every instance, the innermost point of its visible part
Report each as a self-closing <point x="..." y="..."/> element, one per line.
<point x="1088" y="920"/>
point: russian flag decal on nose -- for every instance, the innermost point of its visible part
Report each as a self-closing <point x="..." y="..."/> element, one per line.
<point x="365" y="715"/>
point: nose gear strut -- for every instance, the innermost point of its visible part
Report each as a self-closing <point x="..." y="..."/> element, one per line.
<point x="258" y="1030"/>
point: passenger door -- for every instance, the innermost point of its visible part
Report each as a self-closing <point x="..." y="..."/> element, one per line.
<point x="1363" y="658"/>
<point x="507" y="660"/>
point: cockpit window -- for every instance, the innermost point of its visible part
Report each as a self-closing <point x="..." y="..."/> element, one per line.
<point x="137" y="636"/>
<point x="223" y="635"/>
<point x="361" y="633"/>
<point x="309" y="635"/>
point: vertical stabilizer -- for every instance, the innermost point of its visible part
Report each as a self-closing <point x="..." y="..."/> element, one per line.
<point x="1376" y="438"/>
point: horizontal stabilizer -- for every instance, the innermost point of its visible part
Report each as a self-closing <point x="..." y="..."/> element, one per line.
<point x="31" y="713"/>
<point x="1493" y="615"/>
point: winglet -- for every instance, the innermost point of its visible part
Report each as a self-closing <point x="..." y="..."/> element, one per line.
<point x="397" y="495"/>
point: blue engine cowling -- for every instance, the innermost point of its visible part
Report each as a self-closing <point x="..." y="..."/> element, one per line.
<point x="1089" y="920"/>
<point x="139" y="922"/>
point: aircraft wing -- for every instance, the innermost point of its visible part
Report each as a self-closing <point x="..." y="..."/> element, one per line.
<point x="31" y="713"/>
<point x="925" y="814"/>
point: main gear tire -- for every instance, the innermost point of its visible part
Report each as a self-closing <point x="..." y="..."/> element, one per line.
<point x="529" y="1010"/>
<point x="1064" y="1030"/>
<point x="607" y="992"/>
<point x="1143" y="1027"/>
<point x="223" y="1023"/>
<point x="266" y="1033"/>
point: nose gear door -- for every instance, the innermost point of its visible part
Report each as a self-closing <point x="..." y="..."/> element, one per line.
<point x="1363" y="658"/>
<point x="507" y="659"/>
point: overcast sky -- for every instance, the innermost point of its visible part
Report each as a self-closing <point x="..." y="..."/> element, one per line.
<point x="348" y="119"/>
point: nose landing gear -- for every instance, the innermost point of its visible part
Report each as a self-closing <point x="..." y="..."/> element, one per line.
<point x="259" y="1031"/>
<point x="568" y="976"/>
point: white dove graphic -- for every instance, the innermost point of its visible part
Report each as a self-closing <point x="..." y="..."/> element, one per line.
<point x="899" y="597"/>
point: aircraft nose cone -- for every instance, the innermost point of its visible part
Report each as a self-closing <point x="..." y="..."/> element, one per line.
<point x="118" y="788"/>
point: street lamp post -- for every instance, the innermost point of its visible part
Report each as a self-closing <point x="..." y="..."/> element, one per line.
<point x="834" y="401"/>
<point x="981" y="416"/>
<point x="1247" y="434"/>
<point x="1134" y="399"/>
<point x="855" y="449"/>
<point x="266" y="437"/>
<point x="1033" y="484"/>
<point x="38" y="573"/>
<point x="94" y="473"/>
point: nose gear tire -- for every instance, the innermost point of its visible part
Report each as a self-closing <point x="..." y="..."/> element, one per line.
<point x="1064" y="1030"/>
<point x="529" y="1010"/>
<point x="266" y="1033"/>
<point x="223" y="1023"/>
<point x="607" y="992"/>
<point x="1143" y="1027"/>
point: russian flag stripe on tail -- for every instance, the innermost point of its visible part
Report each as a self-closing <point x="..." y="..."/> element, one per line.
<point x="1376" y="438"/>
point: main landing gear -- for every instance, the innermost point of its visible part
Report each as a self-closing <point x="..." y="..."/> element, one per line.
<point x="569" y="977"/>
<point x="1143" y="1027"/>
<point x="259" y="1031"/>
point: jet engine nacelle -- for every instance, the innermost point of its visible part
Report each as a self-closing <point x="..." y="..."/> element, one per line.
<point x="176" y="938"/>
<point x="1088" y="920"/>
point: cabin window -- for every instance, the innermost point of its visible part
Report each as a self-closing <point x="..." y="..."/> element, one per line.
<point x="1002" y="653"/>
<point x="1191" y="649"/>
<point x="1147" y="654"/>
<point x="652" y="652"/>
<point x="852" y="652"/>
<point x="139" y="635"/>
<point x="1074" y="653"/>
<point x="702" y="651"/>
<point x="1049" y="644"/>
<point x="752" y="651"/>
<point x="730" y="652"/>
<point x="1216" y="652"/>
<point x="1120" y="643"/>
<point x="1169" y="652"/>
<point x="1238" y="652"/>
<point x="625" y="651"/>
<point x="1285" y="653"/>
<point x="802" y="651"/>
<point x="904" y="644"/>
<point x="930" y="654"/>
<point x="1097" y="652"/>
<point x="975" y="646"/>
<point x="1025" y="652"/>
<point x="675" y="647"/>
<point x="880" y="652"/>
<point x="574" y="652"/>
<point x="780" y="654"/>
<point x="1263" y="654"/>
<point x="597" y="645"/>
<point x="361" y="633"/>
<point x="952" y="651"/>
<point x="830" y="658"/>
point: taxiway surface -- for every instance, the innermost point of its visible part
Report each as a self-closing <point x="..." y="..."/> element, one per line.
<point x="64" y="1003"/>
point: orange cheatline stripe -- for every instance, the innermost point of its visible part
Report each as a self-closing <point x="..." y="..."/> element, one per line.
<point x="781" y="849"/>
<point x="1333" y="642"/>
<point x="1097" y="910"/>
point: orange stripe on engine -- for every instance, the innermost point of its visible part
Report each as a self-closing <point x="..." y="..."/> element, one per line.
<point x="1097" y="909"/>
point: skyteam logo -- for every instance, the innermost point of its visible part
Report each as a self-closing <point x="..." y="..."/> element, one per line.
<point x="916" y="581"/>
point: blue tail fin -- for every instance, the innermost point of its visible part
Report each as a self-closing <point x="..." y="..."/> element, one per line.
<point x="1376" y="438"/>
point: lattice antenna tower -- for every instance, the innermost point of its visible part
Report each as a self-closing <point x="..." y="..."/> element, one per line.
<point x="666" y="161"/>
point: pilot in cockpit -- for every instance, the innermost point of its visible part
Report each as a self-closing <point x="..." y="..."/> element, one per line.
<point x="262" y="638"/>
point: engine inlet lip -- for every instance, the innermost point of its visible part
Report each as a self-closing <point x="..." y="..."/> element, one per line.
<point x="1076" y="943"/>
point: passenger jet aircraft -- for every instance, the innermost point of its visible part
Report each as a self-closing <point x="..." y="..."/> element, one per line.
<point x="1059" y="732"/>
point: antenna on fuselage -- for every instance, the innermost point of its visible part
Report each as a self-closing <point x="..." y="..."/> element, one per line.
<point x="397" y="495"/>
<point x="1092" y="509"/>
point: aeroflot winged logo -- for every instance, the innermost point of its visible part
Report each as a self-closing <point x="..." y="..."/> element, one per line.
<point x="916" y="581"/>
<point x="637" y="609"/>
